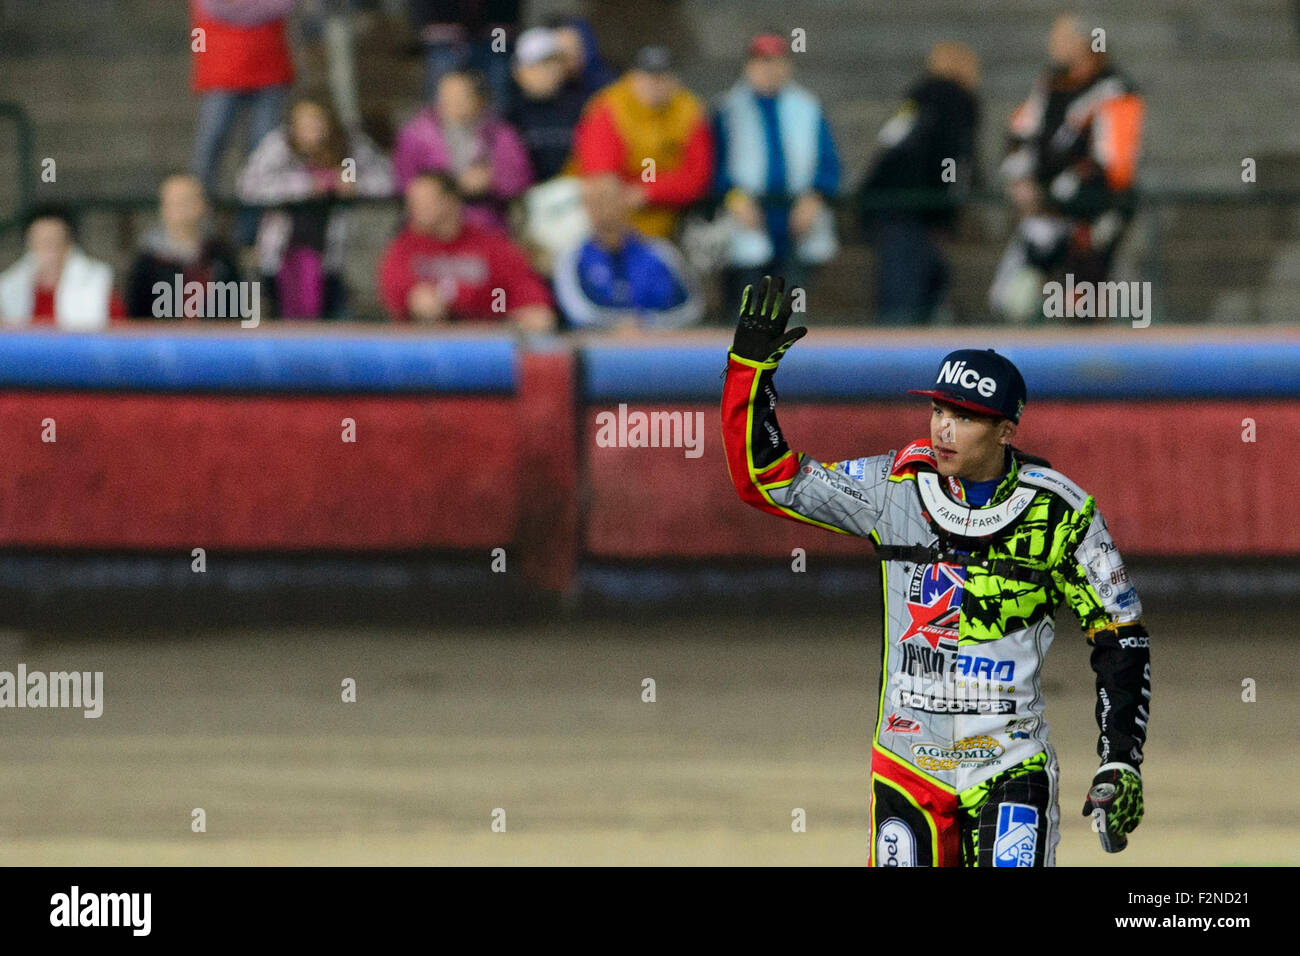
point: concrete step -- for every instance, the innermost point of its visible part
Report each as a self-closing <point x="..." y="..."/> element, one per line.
<point x="874" y="33"/>
<point x="156" y="75"/>
<point x="105" y="27"/>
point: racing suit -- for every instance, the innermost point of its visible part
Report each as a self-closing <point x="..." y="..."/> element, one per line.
<point x="961" y="769"/>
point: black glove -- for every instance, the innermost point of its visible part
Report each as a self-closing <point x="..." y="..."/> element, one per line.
<point x="761" y="335"/>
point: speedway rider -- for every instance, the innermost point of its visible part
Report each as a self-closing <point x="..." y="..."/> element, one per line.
<point x="979" y="543"/>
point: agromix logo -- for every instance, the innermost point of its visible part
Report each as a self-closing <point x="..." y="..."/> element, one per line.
<point x="966" y="754"/>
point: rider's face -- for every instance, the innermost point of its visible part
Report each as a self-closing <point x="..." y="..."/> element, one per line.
<point x="967" y="444"/>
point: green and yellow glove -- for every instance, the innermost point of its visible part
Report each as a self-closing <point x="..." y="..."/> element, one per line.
<point x="1124" y="807"/>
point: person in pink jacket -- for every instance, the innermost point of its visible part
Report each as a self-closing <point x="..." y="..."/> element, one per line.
<point x="459" y="135"/>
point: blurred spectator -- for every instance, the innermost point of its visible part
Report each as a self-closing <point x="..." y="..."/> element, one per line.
<point x="442" y="268"/>
<point x="927" y="148"/>
<point x="181" y="244"/>
<point x="545" y="105"/>
<point x="583" y="61"/>
<point x="654" y="134"/>
<point x="55" y="283"/>
<point x="1070" y="172"/>
<point x="330" y="23"/>
<point x="777" y="169"/>
<point x="309" y="165"/>
<point x="459" y="34"/>
<point x="244" y="65"/>
<point x="619" y="279"/>
<point x="459" y="135"/>
<point x="554" y="221"/>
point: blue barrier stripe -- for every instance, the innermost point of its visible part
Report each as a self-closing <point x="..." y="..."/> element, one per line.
<point x="175" y="363"/>
<point x="684" y="372"/>
<point x="1161" y="370"/>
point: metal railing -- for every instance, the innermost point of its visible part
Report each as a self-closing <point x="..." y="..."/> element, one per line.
<point x="24" y="149"/>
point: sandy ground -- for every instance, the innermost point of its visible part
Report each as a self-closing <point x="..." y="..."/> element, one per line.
<point x="547" y="723"/>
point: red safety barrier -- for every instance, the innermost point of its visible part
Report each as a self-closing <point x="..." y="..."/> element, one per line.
<point x="148" y="472"/>
<point x="525" y="472"/>
<point x="548" y="469"/>
<point x="1153" y="467"/>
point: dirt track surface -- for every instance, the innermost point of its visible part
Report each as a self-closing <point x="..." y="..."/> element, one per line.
<point x="751" y="720"/>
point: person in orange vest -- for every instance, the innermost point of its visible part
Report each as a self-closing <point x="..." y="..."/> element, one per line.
<point x="1071" y="170"/>
<point x="654" y="134"/>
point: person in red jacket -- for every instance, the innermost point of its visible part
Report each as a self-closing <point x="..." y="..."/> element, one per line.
<point x="241" y="62"/>
<point x="441" y="269"/>
<point x="655" y="135"/>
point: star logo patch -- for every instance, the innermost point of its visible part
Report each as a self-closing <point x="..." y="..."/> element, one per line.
<point x="936" y="610"/>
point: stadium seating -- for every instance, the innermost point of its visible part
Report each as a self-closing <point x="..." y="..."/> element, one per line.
<point x="110" y="103"/>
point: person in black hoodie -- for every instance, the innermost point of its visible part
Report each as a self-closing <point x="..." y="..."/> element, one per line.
<point x="180" y="245"/>
<point x="545" y="105"/>
<point x="584" y="63"/>
<point x="927" y="160"/>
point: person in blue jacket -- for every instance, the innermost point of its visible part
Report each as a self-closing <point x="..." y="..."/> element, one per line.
<point x="620" y="279"/>
<point x="777" y="171"/>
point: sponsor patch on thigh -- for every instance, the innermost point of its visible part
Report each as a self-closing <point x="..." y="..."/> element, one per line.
<point x="1017" y="835"/>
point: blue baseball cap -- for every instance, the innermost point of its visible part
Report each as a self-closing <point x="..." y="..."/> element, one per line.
<point x="980" y="380"/>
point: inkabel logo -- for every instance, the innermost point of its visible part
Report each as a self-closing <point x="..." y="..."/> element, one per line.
<point x="895" y="844"/>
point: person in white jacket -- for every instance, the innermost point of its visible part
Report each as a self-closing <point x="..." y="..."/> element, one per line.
<point x="55" y="282"/>
<point x="302" y="173"/>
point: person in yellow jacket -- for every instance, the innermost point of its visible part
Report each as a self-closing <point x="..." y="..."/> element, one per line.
<point x="654" y="134"/>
